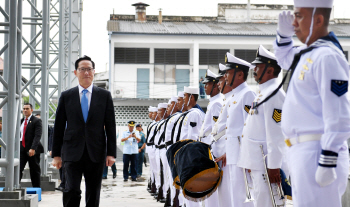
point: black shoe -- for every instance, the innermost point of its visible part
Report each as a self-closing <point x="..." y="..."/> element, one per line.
<point x="104" y="177"/>
<point x="60" y="188"/>
<point x="125" y="180"/>
<point x="134" y="179"/>
<point x="162" y="200"/>
<point x="114" y="175"/>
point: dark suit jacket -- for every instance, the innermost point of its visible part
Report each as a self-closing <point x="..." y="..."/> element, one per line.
<point x="33" y="135"/>
<point x="69" y="143"/>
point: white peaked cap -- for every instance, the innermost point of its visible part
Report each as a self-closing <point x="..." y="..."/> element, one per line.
<point x="173" y="98"/>
<point x="252" y="67"/>
<point x="211" y="74"/>
<point x="154" y="109"/>
<point x="264" y="56"/>
<point x="191" y="90"/>
<point x="162" y="105"/>
<point x="150" y="109"/>
<point x="169" y="102"/>
<point x="230" y="59"/>
<point x="222" y="66"/>
<point x="313" y="3"/>
<point x="180" y="94"/>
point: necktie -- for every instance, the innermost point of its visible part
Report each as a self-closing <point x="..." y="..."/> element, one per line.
<point x="24" y="133"/>
<point x="84" y="104"/>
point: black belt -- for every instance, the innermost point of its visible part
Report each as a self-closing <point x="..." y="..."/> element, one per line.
<point x="160" y="146"/>
<point x="168" y="143"/>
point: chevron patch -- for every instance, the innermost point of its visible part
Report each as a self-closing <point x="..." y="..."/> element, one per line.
<point x="247" y="108"/>
<point x="277" y="115"/>
<point x="215" y="118"/>
<point x="339" y="87"/>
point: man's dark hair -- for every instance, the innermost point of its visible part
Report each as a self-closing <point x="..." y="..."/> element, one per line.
<point x="195" y="96"/>
<point x="245" y="73"/>
<point x="31" y="106"/>
<point x="326" y="13"/>
<point x="84" y="58"/>
<point x="276" y="70"/>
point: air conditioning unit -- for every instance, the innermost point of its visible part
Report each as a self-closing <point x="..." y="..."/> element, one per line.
<point x="119" y="93"/>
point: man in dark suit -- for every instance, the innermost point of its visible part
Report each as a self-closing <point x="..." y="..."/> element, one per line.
<point x="31" y="131"/>
<point x="80" y="138"/>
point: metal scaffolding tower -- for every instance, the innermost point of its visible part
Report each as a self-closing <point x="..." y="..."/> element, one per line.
<point x="42" y="68"/>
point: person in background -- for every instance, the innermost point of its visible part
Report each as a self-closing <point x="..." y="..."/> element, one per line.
<point x="201" y="88"/>
<point x="141" y="146"/>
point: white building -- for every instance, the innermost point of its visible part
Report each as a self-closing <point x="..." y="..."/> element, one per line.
<point x="153" y="57"/>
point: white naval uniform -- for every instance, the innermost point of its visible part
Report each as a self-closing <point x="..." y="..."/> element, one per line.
<point x="168" y="130"/>
<point x="218" y="149"/>
<point x="149" y="149"/>
<point x="211" y="116"/>
<point x="157" y="152"/>
<point x="310" y="108"/>
<point x="263" y="128"/>
<point x="190" y="128"/>
<point x="237" y="112"/>
<point x="152" y="156"/>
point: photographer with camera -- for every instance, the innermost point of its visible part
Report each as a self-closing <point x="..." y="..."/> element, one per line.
<point x="130" y="151"/>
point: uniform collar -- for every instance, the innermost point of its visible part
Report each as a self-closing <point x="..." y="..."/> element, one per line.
<point x="228" y="94"/>
<point x="215" y="97"/>
<point x="28" y="117"/>
<point x="88" y="88"/>
<point x="268" y="83"/>
<point x="240" y="87"/>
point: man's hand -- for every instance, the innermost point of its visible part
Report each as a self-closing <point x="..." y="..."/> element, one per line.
<point x="140" y="150"/>
<point x="57" y="162"/>
<point x="110" y="160"/>
<point x="274" y="175"/>
<point x="223" y="159"/>
<point x="285" y="24"/>
<point x="31" y="153"/>
<point x="325" y="175"/>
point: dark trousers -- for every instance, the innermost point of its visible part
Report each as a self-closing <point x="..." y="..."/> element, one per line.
<point x="62" y="176"/>
<point x="93" y="179"/>
<point x="34" y="167"/>
<point x="127" y="159"/>
<point x="140" y="157"/>
<point x="105" y="170"/>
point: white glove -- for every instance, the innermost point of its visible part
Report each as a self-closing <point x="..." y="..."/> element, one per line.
<point x="285" y="21"/>
<point x="325" y="175"/>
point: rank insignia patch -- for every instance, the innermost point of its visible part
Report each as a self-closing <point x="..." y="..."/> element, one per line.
<point x="193" y="124"/>
<point x="339" y="87"/>
<point x="247" y="108"/>
<point x="277" y="115"/>
<point x="215" y="118"/>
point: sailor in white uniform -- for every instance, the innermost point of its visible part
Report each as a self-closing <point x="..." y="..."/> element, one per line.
<point x="189" y="123"/>
<point x="149" y="147"/>
<point x="213" y="108"/>
<point x="316" y="111"/>
<point x="241" y="96"/>
<point x="161" y="113"/>
<point x="263" y="128"/>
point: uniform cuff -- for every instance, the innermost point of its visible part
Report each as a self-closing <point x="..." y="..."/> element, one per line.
<point x="283" y="41"/>
<point x="328" y="159"/>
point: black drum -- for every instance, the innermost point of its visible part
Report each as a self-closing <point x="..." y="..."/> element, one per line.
<point x="196" y="171"/>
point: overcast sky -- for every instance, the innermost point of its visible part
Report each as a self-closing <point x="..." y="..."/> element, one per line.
<point x="96" y="15"/>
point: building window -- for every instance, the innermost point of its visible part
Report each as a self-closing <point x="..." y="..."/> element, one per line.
<point x="172" y="56"/>
<point x="164" y="74"/>
<point x="212" y="56"/>
<point x="131" y="55"/>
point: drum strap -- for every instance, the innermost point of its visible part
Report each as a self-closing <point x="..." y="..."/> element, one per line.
<point x="180" y="127"/>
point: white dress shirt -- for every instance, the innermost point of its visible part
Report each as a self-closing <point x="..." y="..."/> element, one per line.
<point x="88" y="94"/>
<point x="22" y="125"/>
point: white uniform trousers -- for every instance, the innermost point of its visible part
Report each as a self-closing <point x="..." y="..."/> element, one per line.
<point x="192" y="203"/>
<point x="303" y="161"/>
<point x="261" y="190"/>
<point x="172" y="187"/>
<point x="152" y="163"/>
<point x="212" y="201"/>
<point x="164" y="160"/>
<point x="238" y="195"/>
<point x="157" y="171"/>
<point x="224" y="189"/>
